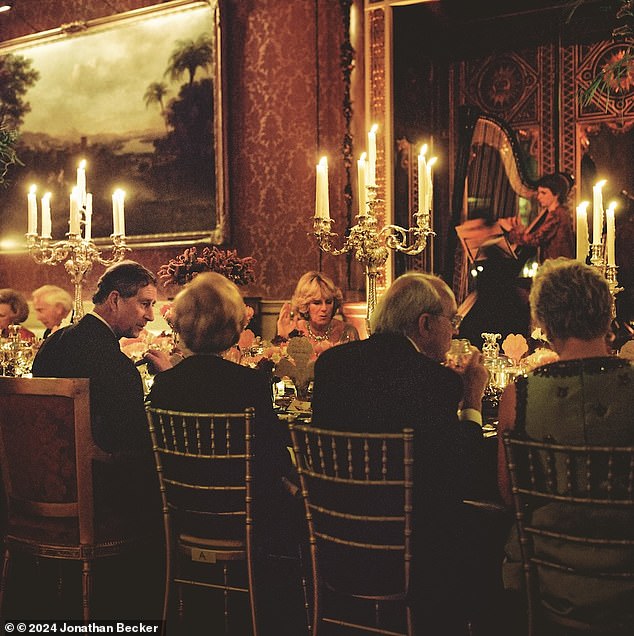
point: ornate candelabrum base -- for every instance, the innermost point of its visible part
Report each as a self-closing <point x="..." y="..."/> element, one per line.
<point x="79" y="255"/>
<point x="370" y="245"/>
<point x="609" y="271"/>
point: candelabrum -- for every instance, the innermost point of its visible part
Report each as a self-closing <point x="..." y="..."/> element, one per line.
<point x="79" y="254"/>
<point x="370" y="244"/>
<point x="609" y="271"/>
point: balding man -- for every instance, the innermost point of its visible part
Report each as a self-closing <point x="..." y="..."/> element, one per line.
<point x="396" y="379"/>
<point x="52" y="306"/>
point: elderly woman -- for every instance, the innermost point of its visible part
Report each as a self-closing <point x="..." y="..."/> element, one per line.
<point x="585" y="397"/>
<point x="209" y="315"/>
<point x="14" y="310"/>
<point x="312" y="311"/>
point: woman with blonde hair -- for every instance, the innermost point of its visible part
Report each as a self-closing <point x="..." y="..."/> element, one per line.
<point x="312" y="311"/>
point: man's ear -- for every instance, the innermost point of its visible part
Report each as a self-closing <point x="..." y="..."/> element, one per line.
<point x="112" y="300"/>
<point x="423" y="324"/>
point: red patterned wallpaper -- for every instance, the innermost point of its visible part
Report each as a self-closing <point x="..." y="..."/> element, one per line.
<point x="284" y="109"/>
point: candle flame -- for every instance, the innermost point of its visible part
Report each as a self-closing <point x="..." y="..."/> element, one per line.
<point x="33" y="189"/>
<point x="612" y="206"/>
<point x="322" y="162"/>
<point x="82" y="164"/>
<point x="374" y="128"/>
<point x="432" y="161"/>
<point x="423" y="150"/>
<point x="583" y="206"/>
<point x="47" y="196"/>
<point x="363" y="156"/>
<point x="600" y="184"/>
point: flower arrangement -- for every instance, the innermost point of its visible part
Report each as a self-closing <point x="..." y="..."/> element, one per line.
<point x="190" y="263"/>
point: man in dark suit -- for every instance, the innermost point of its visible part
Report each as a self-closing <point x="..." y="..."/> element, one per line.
<point x="124" y="301"/>
<point x="396" y="379"/>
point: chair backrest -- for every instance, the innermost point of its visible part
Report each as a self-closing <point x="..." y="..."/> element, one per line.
<point x="357" y="489"/>
<point x="47" y="450"/>
<point x="204" y="464"/>
<point x="574" y="509"/>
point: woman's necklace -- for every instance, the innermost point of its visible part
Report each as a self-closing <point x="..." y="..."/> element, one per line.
<point x="314" y="336"/>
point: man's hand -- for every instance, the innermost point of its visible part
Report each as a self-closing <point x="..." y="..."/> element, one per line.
<point x="475" y="377"/>
<point x="157" y="361"/>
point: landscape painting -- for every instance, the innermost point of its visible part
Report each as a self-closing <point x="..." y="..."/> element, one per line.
<point x="138" y="98"/>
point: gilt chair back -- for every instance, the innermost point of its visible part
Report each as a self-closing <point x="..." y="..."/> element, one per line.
<point x="204" y="465"/>
<point x="574" y="512"/>
<point x="357" y="490"/>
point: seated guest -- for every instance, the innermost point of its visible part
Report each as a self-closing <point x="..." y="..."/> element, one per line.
<point x="124" y="301"/>
<point x="396" y="379"/>
<point x="14" y="310"/>
<point x="52" y="305"/>
<point x="585" y="397"/>
<point x="209" y="315"/>
<point x="312" y="311"/>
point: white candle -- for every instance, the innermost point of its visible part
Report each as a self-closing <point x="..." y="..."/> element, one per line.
<point x="362" y="175"/>
<point x="46" y="215"/>
<point x="81" y="182"/>
<point x="610" y="234"/>
<point x="597" y="212"/>
<point x="322" y="205"/>
<point x="115" y="214"/>
<point x="121" y="213"/>
<point x="429" y="192"/>
<point x="88" y="215"/>
<point x="73" y="224"/>
<point x="422" y="179"/>
<point x="582" y="231"/>
<point x="31" y="203"/>
<point x="372" y="155"/>
<point x="118" y="218"/>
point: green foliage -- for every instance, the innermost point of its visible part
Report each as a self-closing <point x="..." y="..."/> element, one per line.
<point x="7" y="150"/>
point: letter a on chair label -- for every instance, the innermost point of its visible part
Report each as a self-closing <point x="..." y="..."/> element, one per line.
<point x="204" y="556"/>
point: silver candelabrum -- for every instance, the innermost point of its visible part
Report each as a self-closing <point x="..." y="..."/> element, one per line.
<point x="370" y="245"/>
<point x="79" y="254"/>
<point x="609" y="271"/>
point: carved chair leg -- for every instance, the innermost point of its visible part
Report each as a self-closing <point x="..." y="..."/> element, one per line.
<point x="5" y="576"/>
<point x="86" y="588"/>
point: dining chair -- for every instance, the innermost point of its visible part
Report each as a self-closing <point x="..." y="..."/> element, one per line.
<point x="357" y="491"/>
<point x="47" y="459"/>
<point x="574" y="513"/>
<point x="204" y="465"/>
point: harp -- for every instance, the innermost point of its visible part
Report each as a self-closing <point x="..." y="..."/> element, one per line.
<point x="492" y="183"/>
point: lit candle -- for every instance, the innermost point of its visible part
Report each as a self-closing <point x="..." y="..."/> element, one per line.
<point x="46" y="215"/>
<point x="597" y="212"/>
<point x="121" y="213"/>
<point x="115" y="213"/>
<point x="422" y="179"/>
<point x="429" y="192"/>
<point x="118" y="219"/>
<point x="582" y="231"/>
<point x="322" y="205"/>
<point x="81" y="182"/>
<point x="88" y="215"/>
<point x="372" y="155"/>
<point x="31" y="203"/>
<point x="73" y="224"/>
<point x="362" y="175"/>
<point x="610" y="234"/>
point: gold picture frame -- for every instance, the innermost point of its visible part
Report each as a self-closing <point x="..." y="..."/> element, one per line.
<point x="139" y="97"/>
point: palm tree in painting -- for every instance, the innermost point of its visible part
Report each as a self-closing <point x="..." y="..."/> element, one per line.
<point x="154" y="94"/>
<point x="189" y="56"/>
